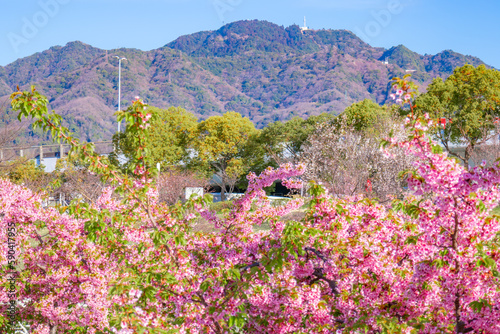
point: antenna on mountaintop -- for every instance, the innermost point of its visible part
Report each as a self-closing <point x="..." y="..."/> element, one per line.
<point x="304" y="28"/>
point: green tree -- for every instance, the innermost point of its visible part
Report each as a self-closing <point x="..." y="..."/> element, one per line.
<point x="168" y="138"/>
<point x="469" y="102"/>
<point x="280" y="142"/>
<point x="283" y="141"/>
<point x="363" y="115"/>
<point x="25" y="172"/>
<point x="220" y="143"/>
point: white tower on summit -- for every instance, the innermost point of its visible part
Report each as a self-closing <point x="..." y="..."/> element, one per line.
<point x="304" y="28"/>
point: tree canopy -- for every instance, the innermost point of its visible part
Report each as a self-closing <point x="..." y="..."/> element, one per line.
<point x="283" y="141"/>
<point x="219" y="143"/>
<point x="363" y="115"/>
<point x="347" y="159"/>
<point x="468" y="104"/>
<point x="168" y="136"/>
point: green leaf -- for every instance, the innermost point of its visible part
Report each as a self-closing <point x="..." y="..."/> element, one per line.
<point x="436" y="149"/>
<point x="235" y="273"/>
<point x="480" y="206"/>
<point x="412" y="240"/>
<point x="205" y="285"/>
<point x="478" y="305"/>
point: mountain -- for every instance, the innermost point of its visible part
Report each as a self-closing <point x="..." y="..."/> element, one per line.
<point x="259" y="69"/>
<point x="246" y="36"/>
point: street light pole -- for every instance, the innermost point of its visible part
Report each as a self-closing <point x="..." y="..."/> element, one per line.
<point x="119" y="84"/>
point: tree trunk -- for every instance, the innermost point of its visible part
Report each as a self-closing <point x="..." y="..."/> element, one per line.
<point x="468" y="154"/>
<point x="223" y="188"/>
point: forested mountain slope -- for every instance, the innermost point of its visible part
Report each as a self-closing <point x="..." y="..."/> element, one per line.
<point x="261" y="70"/>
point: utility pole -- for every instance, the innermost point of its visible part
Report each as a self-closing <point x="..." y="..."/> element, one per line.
<point x="119" y="84"/>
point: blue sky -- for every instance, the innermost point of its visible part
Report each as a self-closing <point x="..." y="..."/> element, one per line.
<point x="425" y="26"/>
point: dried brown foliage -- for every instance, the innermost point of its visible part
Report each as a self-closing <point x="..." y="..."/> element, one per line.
<point x="78" y="183"/>
<point x="487" y="153"/>
<point x="173" y="182"/>
<point x="9" y="131"/>
<point x="350" y="162"/>
<point x="23" y="171"/>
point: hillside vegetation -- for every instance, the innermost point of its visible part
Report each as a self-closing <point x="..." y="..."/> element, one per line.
<point x="261" y="70"/>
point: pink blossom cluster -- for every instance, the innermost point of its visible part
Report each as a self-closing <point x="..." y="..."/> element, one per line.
<point x="426" y="263"/>
<point x="351" y="262"/>
<point x="399" y="96"/>
<point x="63" y="277"/>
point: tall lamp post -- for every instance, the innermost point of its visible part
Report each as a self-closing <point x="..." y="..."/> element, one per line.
<point x="119" y="84"/>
